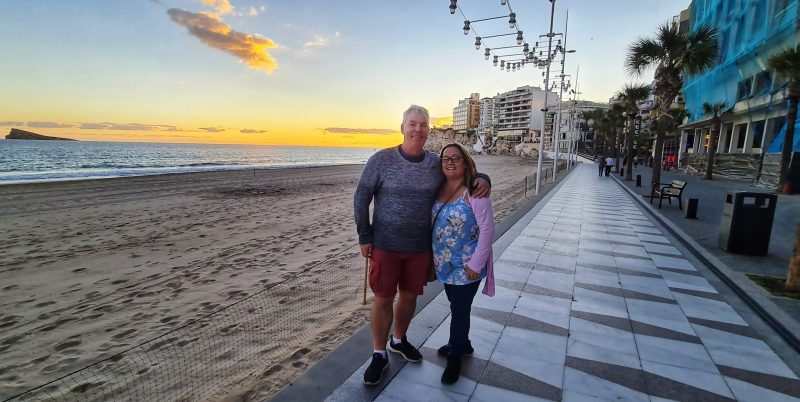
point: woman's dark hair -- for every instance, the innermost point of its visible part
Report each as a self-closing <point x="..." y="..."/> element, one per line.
<point x="470" y="169"/>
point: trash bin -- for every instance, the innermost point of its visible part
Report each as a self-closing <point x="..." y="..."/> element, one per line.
<point x="747" y="222"/>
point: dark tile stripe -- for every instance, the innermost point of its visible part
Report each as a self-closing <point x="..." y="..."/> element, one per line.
<point x="496" y="316"/>
<point x="607" y="320"/>
<point x="634" y="326"/>
<point x="510" y="284"/>
<point x="621" y="271"/>
<point x="643" y="381"/>
<point x="654" y="330"/>
<point x="743" y="330"/>
<point x="626" y="293"/>
<point x="787" y="386"/>
<point x="625" y="376"/>
<point x="602" y="240"/>
<point x="502" y="377"/>
<point x="632" y="256"/>
<point x="545" y="291"/>
<point x="518" y="263"/>
<point x="681" y="271"/>
<point x="548" y="268"/>
<point x="520" y="321"/>
<point x="658" y="253"/>
<point x="699" y="293"/>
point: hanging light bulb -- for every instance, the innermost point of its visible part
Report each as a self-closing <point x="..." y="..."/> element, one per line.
<point x="519" y="37"/>
<point x="477" y="43"/>
<point x="453" y="6"/>
<point x="486" y="54"/>
<point x="514" y="67"/>
<point x="466" y="27"/>
<point x="503" y="2"/>
<point x="502" y="64"/>
<point x="495" y="60"/>
<point x="512" y="20"/>
<point x="526" y="49"/>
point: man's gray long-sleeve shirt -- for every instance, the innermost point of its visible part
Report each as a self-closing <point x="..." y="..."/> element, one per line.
<point x="403" y="189"/>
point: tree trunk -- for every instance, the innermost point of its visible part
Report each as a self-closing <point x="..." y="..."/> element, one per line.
<point x="629" y="151"/>
<point x="788" y="141"/>
<point x="712" y="148"/>
<point x="616" y="149"/>
<point x="793" y="275"/>
<point x="655" y="176"/>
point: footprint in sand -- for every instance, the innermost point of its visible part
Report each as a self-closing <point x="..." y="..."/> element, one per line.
<point x="66" y="345"/>
<point x="124" y="334"/>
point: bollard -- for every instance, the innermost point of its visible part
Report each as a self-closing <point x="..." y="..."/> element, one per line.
<point x="638" y="180"/>
<point x="691" y="208"/>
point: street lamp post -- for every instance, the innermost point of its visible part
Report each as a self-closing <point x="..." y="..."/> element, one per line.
<point x="557" y="126"/>
<point x="550" y="36"/>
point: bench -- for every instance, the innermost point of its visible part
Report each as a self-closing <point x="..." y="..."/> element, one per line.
<point x="668" y="191"/>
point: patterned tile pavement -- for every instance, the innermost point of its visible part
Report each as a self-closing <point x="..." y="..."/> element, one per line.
<point x="595" y="303"/>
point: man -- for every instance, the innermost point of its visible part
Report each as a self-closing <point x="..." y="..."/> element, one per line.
<point x="601" y="165"/>
<point x="609" y="164"/>
<point x="403" y="182"/>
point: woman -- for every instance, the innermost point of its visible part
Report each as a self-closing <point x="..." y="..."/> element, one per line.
<point x="463" y="231"/>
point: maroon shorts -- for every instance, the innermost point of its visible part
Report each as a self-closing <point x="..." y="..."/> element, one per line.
<point x="390" y="270"/>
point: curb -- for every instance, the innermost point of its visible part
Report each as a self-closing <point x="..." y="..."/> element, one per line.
<point x="755" y="297"/>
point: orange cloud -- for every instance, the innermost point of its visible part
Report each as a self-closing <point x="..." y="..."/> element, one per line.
<point x="442" y="121"/>
<point x="220" y="6"/>
<point x="343" y="130"/>
<point x="248" y="48"/>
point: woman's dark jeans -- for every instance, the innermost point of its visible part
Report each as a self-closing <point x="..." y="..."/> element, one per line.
<point x="460" y="297"/>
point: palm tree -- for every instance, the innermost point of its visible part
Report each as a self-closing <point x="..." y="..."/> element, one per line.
<point x="715" y="111"/>
<point x="616" y="121"/>
<point x="673" y="54"/>
<point x="630" y="97"/>
<point x="787" y="63"/>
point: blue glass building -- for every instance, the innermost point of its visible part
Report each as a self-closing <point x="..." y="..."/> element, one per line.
<point x="750" y="32"/>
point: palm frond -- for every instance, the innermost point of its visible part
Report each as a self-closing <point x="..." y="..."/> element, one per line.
<point x="643" y="53"/>
<point x="701" y="50"/>
<point x="787" y="62"/>
<point x="713" y="109"/>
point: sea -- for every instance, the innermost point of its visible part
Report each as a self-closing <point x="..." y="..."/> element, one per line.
<point x="25" y="161"/>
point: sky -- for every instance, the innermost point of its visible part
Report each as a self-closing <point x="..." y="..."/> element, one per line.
<point x="285" y="72"/>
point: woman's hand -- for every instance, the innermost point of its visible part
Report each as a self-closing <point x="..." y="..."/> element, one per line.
<point x="471" y="275"/>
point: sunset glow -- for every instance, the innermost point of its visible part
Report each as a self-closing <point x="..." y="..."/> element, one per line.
<point x="266" y="72"/>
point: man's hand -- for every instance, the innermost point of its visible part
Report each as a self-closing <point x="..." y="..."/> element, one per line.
<point x="482" y="188"/>
<point x="471" y="275"/>
<point x="366" y="250"/>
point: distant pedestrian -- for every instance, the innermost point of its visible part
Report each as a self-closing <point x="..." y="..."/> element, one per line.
<point x="609" y="165"/>
<point x="601" y="165"/>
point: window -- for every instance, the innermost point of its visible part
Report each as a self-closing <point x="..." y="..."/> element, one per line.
<point x="728" y="137"/>
<point x="763" y="83"/>
<point x="744" y="89"/>
<point x="741" y="131"/>
<point x="758" y="133"/>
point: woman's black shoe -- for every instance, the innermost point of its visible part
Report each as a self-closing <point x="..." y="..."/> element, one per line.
<point x="452" y="371"/>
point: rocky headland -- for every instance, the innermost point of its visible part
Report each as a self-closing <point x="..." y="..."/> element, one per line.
<point x="17" y="134"/>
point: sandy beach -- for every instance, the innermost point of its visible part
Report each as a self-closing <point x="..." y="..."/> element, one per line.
<point x="92" y="268"/>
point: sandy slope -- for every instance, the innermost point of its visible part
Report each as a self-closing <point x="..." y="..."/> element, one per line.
<point x="92" y="268"/>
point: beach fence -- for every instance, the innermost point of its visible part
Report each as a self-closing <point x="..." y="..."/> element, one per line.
<point x="230" y="348"/>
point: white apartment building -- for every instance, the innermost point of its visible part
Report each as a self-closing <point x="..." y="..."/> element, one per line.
<point x="467" y="114"/>
<point x="518" y="113"/>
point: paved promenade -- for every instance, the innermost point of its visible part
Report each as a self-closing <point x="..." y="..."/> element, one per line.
<point x="593" y="302"/>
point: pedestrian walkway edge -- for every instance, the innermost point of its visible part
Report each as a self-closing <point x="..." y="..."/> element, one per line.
<point x="755" y="297"/>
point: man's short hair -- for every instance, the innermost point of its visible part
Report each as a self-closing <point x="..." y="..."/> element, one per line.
<point x="418" y="109"/>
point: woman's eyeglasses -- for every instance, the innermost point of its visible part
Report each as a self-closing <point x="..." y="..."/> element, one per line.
<point x="453" y="159"/>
